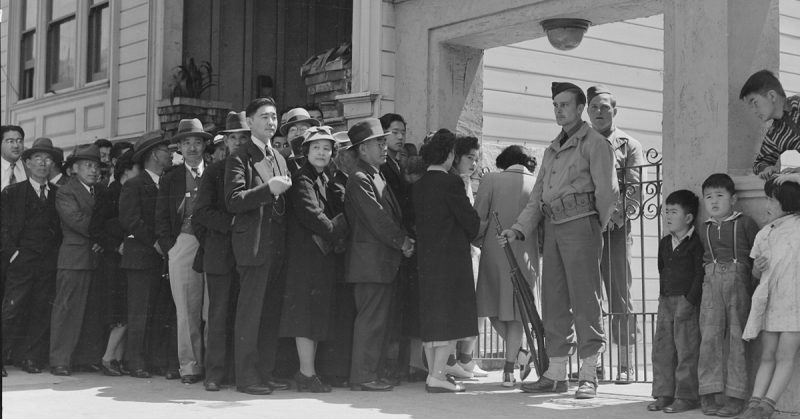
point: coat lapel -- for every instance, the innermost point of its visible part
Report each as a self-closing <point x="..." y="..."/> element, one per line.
<point x="259" y="162"/>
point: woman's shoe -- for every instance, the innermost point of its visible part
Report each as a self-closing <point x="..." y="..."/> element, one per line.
<point x="311" y="384"/>
<point x="456" y="371"/>
<point x="449" y="385"/>
<point x="121" y="366"/>
<point x="110" y="369"/>
<point x="508" y="379"/>
<point x="472" y="367"/>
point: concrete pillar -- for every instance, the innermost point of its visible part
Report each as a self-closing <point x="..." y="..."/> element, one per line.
<point x="456" y="86"/>
<point x="710" y="48"/>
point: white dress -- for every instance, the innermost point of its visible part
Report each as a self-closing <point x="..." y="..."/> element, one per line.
<point x="775" y="305"/>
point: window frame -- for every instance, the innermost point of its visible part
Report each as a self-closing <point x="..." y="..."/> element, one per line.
<point x="27" y="65"/>
<point x="91" y="75"/>
<point x="51" y="55"/>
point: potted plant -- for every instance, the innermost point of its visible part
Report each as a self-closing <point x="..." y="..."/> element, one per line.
<point x="189" y="82"/>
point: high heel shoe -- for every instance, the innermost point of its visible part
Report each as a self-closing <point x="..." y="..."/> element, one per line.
<point x="311" y="384"/>
<point x="435" y="385"/>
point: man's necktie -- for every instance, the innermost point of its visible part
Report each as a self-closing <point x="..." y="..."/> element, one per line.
<point x="564" y="138"/>
<point x="13" y="178"/>
<point x="42" y="192"/>
<point x="195" y="172"/>
<point x="91" y="190"/>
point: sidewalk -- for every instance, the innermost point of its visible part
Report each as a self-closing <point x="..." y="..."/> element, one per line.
<point x="96" y="396"/>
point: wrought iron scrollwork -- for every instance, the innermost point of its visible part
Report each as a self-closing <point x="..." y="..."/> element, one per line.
<point x="642" y="198"/>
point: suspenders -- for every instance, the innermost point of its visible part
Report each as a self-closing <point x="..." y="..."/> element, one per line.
<point x="711" y="249"/>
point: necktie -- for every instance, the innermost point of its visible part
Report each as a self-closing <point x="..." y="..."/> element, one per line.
<point x="564" y="138"/>
<point x="91" y="190"/>
<point x="13" y="178"/>
<point x="195" y="172"/>
<point x="43" y="192"/>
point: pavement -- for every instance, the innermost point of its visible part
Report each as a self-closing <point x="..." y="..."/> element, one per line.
<point x="88" y="395"/>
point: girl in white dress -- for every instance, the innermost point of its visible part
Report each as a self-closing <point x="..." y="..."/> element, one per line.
<point x="775" y="312"/>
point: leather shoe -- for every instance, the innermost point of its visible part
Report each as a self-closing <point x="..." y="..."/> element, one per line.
<point x="212" y="386"/>
<point x="276" y="384"/>
<point x="375" y="385"/>
<point x="172" y="375"/>
<point x="190" y="379"/>
<point x="60" y="370"/>
<point x="660" y="403"/>
<point x="435" y="385"/>
<point x="30" y="367"/>
<point x="708" y="404"/>
<point x="120" y="366"/>
<point x="545" y="385"/>
<point x="680" y="405"/>
<point x="586" y="390"/>
<point x="110" y="370"/>
<point x="258" y="390"/>
<point x="140" y="373"/>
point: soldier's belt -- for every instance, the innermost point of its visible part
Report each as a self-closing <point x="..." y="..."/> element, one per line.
<point x="570" y="207"/>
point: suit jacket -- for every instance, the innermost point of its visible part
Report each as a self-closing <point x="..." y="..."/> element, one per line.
<point x="212" y="217"/>
<point x="104" y="227"/>
<point x="171" y="193"/>
<point x="400" y="188"/>
<point x="12" y="206"/>
<point x="137" y="211"/>
<point x="377" y="234"/>
<point x="75" y="206"/>
<point x="259" y="226"/>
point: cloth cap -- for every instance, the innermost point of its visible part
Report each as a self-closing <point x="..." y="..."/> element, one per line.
<point x="558" y="87"/>
<point x="596" y="90"/>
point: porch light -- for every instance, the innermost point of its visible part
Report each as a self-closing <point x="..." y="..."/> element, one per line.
<point x="565" y="33"/>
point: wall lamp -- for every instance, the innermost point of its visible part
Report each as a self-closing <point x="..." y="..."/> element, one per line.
<point x="565" y="33"/>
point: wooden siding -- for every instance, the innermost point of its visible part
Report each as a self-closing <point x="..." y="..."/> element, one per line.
<point x="133" y="65"/>
<point x="388" y="50"/>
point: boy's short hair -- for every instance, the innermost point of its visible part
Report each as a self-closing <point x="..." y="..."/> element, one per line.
<point x="762" y="82"/>
<point x="387" y="119"/>
<point x="720" y="180"/>
<point x="256" y="104"/>
<point x="786" y="193"/>
<point x="686" y="199"/>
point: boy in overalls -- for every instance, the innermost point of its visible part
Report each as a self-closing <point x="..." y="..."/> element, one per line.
<point x="727" y="237"/>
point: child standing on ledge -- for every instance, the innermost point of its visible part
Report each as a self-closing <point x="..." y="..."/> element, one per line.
<point x="775" y="312"/>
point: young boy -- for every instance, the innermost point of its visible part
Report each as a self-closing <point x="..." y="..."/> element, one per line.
<point x="765" y="96"/>
<point x="677" y="341"/>
<point x="727" y="236"/>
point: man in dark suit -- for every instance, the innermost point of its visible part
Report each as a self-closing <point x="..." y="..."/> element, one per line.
<point x="256" y="177"/>
<point x="30" y="238"/>
<point x="77" y="260"/>
<point x="142" y="258"/>
<point x="177" y="194"/>
<point x="212" y="216"/>
<point x="377" y="245"/>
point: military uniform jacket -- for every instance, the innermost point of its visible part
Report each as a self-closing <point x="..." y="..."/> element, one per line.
<point x="627" y="154"/>
<point x="584" y="164"/>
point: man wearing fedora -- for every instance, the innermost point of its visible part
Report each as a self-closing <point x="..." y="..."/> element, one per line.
<point x="30" y="238"/>
<point x="377" y="244"/>
<point x="574" y="194"/>
<point x="177" y="195"/>
<point x="212" y="216"/>
<point x="13" y="170"/>
<point x="77" y="261"/>
<point x="142" y="257"/>
<point x="298" y="121"/>
<point x="256" y="178"/>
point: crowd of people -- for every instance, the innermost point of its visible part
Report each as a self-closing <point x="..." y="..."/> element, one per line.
<point x="278" y="254"/>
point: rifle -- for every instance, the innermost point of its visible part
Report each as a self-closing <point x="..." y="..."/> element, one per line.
<point x="526" y="304"/>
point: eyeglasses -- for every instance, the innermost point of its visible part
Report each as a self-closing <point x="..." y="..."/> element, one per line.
<point x="13" y="141"/>
<point x="42" y="159"/>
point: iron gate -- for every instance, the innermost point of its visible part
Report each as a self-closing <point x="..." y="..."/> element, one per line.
<point x="642" y="202"/>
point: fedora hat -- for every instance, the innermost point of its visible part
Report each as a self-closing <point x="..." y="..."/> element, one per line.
<point x="296" y="116"/>
<point x="235" y="122"/>
<point x="43" y="145"/>
<point x="319" y="133"/>
<point x="190" y="127"/>
<point x="84" y="152"/>
<point x="341" y="138"/>
<point x="146" y="142"/>
<point x="364" y="131"/>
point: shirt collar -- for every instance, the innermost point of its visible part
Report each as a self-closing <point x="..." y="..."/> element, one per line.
<point x="575" y="131"/>
<point x="777" y="222"/>
<point x="153" y="176"/>
<point x="263" y="146"/>
<point x="88" y="188"/>
<point x="678" y="240"/>
<point x="37" y="186"/>
<point x="7" y="164"/>
<point x="735" y="215"/>
<point x="200" y="168"/>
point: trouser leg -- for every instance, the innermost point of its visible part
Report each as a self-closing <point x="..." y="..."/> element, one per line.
<point x="142" y="290"/>
<point x="738" y="299"/>
<point x="713" y="345"/>
<point x="687" y="344"/>
<point x="219" y="289"/>
<point x="615" y="266"/>
<point x="17" y="298"/>
<point x="72" y="290"/>
<point x="665" y="355"/>
<point x="369" y="330"/>
<point x="37" y="341"/>
<point x="556" y="313"/>
<point x="187" y="291"/>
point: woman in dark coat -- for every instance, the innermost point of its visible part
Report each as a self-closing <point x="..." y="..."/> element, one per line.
<point x="446" y="225"/>
<point x="313" y="230"/>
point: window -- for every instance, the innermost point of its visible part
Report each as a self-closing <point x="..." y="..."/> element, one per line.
<point x="97" y="54"/>
<point x="61" y="44"/>
<point x="27" y="47"/>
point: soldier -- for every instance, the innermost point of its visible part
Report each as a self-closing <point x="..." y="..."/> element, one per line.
<point x="615" y="264"/>
<point x="574" y="194"/>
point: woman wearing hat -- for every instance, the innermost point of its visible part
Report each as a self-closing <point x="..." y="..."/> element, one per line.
<point x="314" y="228"/>
<point x="297" y="122"/>
<point x="446" y="224"/>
